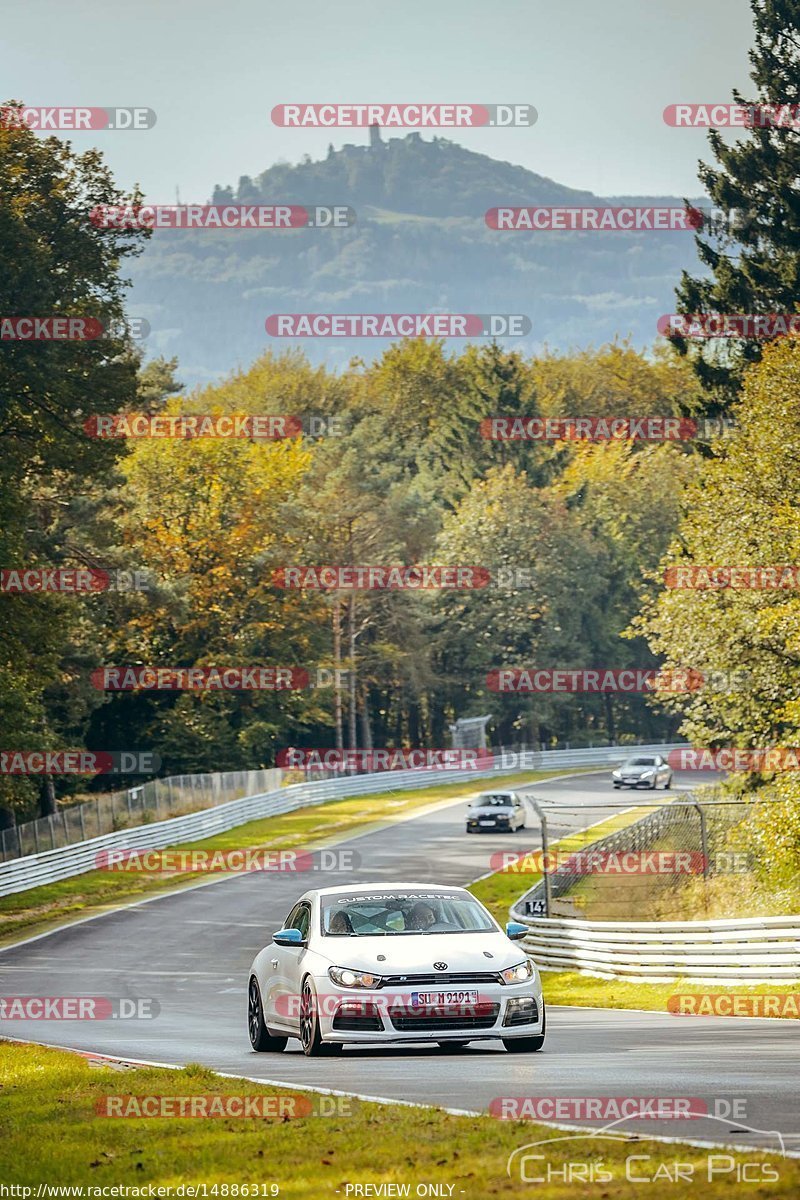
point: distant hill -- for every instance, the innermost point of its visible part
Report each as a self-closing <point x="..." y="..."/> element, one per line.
<point x="420" y="244"/>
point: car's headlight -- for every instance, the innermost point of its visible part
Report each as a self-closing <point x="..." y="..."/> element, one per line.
<point x="648" y="774"/>
<point x="345" y="977"/>
<point x="616" y="774"/>
<point x="518" y="974"/>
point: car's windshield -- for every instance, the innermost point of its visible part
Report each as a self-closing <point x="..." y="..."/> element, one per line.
<point x="498" y="801"/>
<point x="640" y="762"/>
<point x="402" y="913"/>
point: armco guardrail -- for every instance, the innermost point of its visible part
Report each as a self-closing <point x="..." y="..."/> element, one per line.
<point x="21" y="874"/>
<point x="746" y="949"/>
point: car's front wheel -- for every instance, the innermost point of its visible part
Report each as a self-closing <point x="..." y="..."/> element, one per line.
<point x="527" y="1045"/>
<point x="260" y="1037"/>
<point x="310" y="1036"/>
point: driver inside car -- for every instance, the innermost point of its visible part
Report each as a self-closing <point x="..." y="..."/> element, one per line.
<point x="421" y="916"/>
<point x="340" y="923"/>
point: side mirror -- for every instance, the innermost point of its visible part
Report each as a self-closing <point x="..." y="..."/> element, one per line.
<point x="288" y="937"/>
<point x="516" y="931"/>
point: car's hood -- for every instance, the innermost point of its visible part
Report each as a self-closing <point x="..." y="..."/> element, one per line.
<point x="636" y="770"/>
<point x="407" y="954"/>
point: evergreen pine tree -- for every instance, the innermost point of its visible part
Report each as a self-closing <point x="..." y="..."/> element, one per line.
<point x="753" y="249"/>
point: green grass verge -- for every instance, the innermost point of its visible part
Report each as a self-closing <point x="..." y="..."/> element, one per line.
<point x="689" y="897"/>
<point x="50" y="1133"/>
<point x="570" y="987"/>
<point x="45" y="907"/>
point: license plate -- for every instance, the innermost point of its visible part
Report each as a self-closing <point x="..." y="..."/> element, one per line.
<point x="437" y="999"/>
<point x="483" y="821"/>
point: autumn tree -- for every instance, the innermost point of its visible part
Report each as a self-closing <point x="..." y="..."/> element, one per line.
<point x="55" y="263"/>
<point x="740" y="511"/>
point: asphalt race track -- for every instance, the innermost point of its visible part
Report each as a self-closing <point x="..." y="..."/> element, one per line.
<point x="191" y="952"/>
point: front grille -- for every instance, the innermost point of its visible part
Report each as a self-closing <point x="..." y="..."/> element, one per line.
<point x="478" y="1016"/>
<point x="440" y="977"/>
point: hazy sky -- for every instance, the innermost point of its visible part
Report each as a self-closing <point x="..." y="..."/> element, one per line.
<point x="599" y="73"/>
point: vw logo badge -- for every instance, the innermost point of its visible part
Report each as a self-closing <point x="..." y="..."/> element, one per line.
<point x="440" y="966"/>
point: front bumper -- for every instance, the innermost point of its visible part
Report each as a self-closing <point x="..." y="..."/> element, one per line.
<point x="476" y="827"/>
<point x="350" y="1015"/>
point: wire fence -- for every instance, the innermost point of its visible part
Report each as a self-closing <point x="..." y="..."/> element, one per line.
<point x="141" y="805"/>
<point x="689" y="857"/>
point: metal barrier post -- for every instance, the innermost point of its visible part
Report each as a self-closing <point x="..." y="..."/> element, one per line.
<point x="548" y="898"/>
<point x="703" y="837"/>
